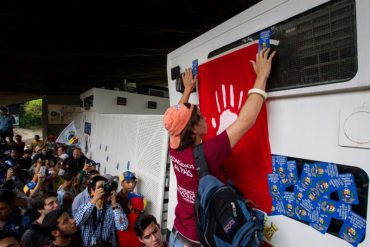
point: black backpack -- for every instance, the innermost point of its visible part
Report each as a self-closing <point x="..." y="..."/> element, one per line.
<point x="222" y="214"/>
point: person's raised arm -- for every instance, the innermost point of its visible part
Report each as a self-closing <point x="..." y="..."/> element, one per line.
<point x="251" y="108"/>
<point x="189" y="84"/>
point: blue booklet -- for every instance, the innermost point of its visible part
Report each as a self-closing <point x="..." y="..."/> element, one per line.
<point x="348" y="192"/>
<point x="276" y="187"/>
<point x="277" y="162"/>
<point x="277" y="207"/>
<point x="335" y="209"/>
<point x="264" y="40"/>
<point x="353" y="229"/>
<point x="320" y="221"/>
<point x="289" y="204"/>
<point x="308" y="180"/>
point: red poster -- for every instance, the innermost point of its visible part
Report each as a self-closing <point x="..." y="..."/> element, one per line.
<point x="223" y="86"/>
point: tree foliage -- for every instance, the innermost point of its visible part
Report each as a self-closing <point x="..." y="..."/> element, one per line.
<point x="31" y="113"/>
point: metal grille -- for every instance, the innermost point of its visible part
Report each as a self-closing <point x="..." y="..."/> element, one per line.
<point x="315" y="47"/>
<point x="140" y="139"/>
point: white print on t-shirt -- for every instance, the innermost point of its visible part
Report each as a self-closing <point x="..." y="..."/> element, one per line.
<point x="227" y="117"/>
<point x="181" y="167"/>
<point x="179" y="162"/>
<point x="187" y="195"/>
<point x="183" y="170"/>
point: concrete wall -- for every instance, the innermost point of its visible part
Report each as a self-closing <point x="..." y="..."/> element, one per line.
<point x="55" y="129"/>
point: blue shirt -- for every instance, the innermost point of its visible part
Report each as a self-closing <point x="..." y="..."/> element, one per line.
<point x="61" y="192"/>
<point x="79" y="200"/>
<point x="99" y="227"/>
<point x="5" y="123"/>
<point x="18" y="224"/>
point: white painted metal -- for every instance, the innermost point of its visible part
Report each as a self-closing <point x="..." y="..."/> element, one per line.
<point x="118" y="136"/>
<point x="140" y="140"/>
<point x="105" y="101"/>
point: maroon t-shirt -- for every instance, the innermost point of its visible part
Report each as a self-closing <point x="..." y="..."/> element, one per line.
<point x="216" y="150"/>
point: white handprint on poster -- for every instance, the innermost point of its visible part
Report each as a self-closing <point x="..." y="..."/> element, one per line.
<point x="227" y="116"/>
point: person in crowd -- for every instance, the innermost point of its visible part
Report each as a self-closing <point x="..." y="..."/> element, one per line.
<point x="44" y="203"/>
<point x="128" y="185"/>
<point x="84" y="197"/>
<point x="6" y="125"/>
<point x="40" y="180"/>
<point x="56" y="175"/>
<point x="35" y="153"/>
<point x="19" y="144"/>
<point x="37" y="142"/>
<point x="14" y="183"/>
<point x="49" y="157"/>
<point x="61" y="229"/>
<point x="3" y="148"/>
<point x="98" y="219"/>
<point x="50" y="142"/>
<point x="68" y="190"/>
<point x="43" y="153"/>
<point x="26" y="160"/>
<point x="16" y="175"/>
<point x="62" y="152"/>
<point x="77" y="161"/>
<point x="148" y="231"/>
<point x="8" y="238"/>
<point x="186" y="127"/>
<point x="10" y="217"/>
<point x="12" y="159"/>
<point x="89" y="166"/>
<point x="128" y="238"/>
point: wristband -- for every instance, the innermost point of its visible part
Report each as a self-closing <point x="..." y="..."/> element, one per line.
<point x="258" y="91"/>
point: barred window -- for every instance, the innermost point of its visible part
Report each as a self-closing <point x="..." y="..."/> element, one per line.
<point x="315" y="47"/>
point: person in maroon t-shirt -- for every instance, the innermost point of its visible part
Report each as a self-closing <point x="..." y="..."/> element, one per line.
<point x="186" y="126"/>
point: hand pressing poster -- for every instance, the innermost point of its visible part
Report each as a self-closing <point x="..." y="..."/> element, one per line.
<point x="223" y="88"/>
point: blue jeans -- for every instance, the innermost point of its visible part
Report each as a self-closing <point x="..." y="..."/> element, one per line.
<point x="176" y="242"/>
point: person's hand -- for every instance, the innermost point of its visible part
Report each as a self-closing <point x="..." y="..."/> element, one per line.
<point x="188" y="79"/>
<point x="189" y="84"/>
<point x="88" y="167"/>
<point x="37" y="167"/>
<point x="9" y="174"/>
<point x="262" y="65"/>
<point x="34" y="178"/>
<point x="98" y="196"/>
<point x="40" y="178"/>
<point x="53" y="173"/>
<point x="113" y="198"/>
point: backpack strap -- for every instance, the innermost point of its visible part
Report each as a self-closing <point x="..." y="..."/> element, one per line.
<point x="200" y="160"/>
<point x="202" y="168"/>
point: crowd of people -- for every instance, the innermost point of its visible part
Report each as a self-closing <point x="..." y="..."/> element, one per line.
<point x="52" y="195"/>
